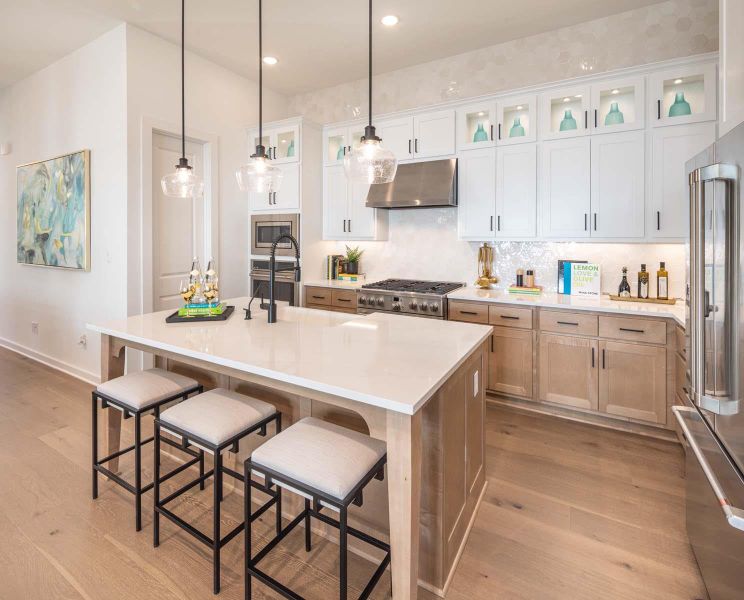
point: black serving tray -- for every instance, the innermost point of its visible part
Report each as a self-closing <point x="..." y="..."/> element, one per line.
<point x="175" y="318"/>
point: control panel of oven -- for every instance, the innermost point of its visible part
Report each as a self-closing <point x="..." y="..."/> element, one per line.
<point x="404" y="304"/>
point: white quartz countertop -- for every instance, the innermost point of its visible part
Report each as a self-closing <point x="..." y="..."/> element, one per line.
<point x="384" y="360"/>
<point x="335" y="283"/>
<point x="554" y="300"/>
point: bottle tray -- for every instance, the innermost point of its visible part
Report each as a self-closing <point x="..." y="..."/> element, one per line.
<point x="176" y="318"/>
<point x="649" y="300"/>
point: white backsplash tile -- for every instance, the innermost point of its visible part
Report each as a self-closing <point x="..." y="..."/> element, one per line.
<point x="423" y="244"/>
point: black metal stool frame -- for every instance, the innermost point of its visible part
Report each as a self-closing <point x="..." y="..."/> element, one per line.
<point x="187" y="439"/>
<point x="128" y="412"/>
<point x="354" y="497"/>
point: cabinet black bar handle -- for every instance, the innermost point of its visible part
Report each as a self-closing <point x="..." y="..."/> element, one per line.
<point x="567" y="323"/>
<point x="415" y="145"/>
<point x="509" y="317"/>
<point x="595" y="221"/>
<point x="658" y="109"/>
<point x="499" y="130"/>
<point x="491" y="343"/>
<point x="344" y="225"/>
<point x="628" y="329"/>
<point x="498" y="222"/>
<point x="592" y="357"/>
<point x="491" y="222"/>
<point x="319" y="297"/>
<point x="595" y="118"/>
<point x="491" y="132"/>
<point x="468" y="312"/>
<point x="585" y="215"/>
<point x="344" y="150"/>
<point x="343" y="299"/>
<point x="586" y="119"/>
<point x="658" y="220"/>
<point x="604" y="362"/>
<point x="409" y="146"/>
<point x="349" y="225"/>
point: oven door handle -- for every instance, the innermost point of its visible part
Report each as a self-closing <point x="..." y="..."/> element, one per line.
<point x="734" y="516"/>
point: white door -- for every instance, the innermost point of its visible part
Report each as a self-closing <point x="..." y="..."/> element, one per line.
<point x="564" y="113"/>
<point x="517" y="122"/>
<point x="177" y="223"/>
<point x="618" y="105"/>
<point x="288" y="196"/>
<point x="286" y="143"/>
<point x="476" y="211"/>
<point x="476" y="126"/>
<point x="362" y="220"/>
<point x="397" y="135"/>
<point x="565" y="188"/>
<point x="335" y="203"/>
<point x="671" y="148"/>
<point x="618" y="185"/>
<point x="335" y="145"/>
<point x="516" y="191"/>
<point x="434" y="134"/>
<point x="683" y="95"/>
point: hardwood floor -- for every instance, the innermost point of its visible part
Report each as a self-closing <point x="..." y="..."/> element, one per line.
<point x="571" y="512"/>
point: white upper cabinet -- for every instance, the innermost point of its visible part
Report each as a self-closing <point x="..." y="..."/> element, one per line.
<point x="282" y="142"/>
<point x="618" y="105"/>
<point x="618" y="185"/>
<point x="345" y="214"/>
<point x="434" y="134"/>
<point x="671" y="148"/>
<point x="731" y="25"/>
<point x="565" y="112"/>
<point x="476" y="211"/>
<point x="339" y="141"/>
<point x="565" y="188"/>
<point x="683" y="95"/>
<point x="476" y="126"/>
<point x="335" y="203"/>
<point x="516" y="120"/>
<point x="288" y="196"/>
<point x="397" y="136"/>
<point x="516" y="191"/>
<point x="362" y="224"/>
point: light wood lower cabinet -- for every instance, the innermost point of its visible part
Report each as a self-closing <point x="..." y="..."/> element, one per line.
<point x="568" y="370"/>
<point x="632" y="381"/>
<point x="510" y="362"/>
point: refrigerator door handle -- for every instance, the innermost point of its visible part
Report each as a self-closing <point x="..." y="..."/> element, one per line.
<point x="734" y="516"/>
<point x="700" y="306"/>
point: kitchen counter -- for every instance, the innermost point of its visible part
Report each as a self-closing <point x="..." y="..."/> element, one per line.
<point x="416" y="384"/>
<point x="335" y="284"/>
<point x="554" y="300"/>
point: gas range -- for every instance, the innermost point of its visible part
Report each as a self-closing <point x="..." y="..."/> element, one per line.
<point x="406" y="296"/>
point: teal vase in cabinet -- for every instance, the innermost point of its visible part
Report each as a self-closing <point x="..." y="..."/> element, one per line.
<point x="680" y="107"/>
<point x="340" y="154"/>
<point x="516" y="129"/>
<point x="615" y="116"/>
<point x="568" y="123"/>
<point x="480" y="134"/>
<point x="290" y="149"/>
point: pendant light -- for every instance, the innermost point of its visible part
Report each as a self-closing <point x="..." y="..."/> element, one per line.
<point x="183" y="183"/>
<point x="369" y="162"/>
<point x="259" y="175"/>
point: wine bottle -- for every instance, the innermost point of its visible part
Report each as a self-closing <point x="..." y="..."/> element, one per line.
<point x="623" y="289"/>
<point x="643" y="282"/>
<point x="662" y="282"/>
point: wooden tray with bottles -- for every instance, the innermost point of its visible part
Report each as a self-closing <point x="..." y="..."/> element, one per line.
<point x="649" y="300"/>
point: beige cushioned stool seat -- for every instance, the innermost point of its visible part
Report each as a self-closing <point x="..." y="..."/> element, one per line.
<point x="141" y="389"/>
<point x="321" y="455"/>
<point x="217" y="415"/>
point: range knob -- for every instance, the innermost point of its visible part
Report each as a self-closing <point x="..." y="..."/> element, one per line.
<point x="396" y="306"/>
<point x="413" y="305"/>
<point x="424" y="306"/>
<point x="434" y="307"/>
<point x="380" y="301"/>
<point x="362" y="300"/>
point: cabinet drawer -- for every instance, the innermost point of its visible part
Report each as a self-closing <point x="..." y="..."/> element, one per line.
<point x="569" y="322"/>
<point x="681" y="340"/>
<point x="472" y="312"/>
<point x="507" y="316"/>
<point x="680" y="376"/>
<point x="344" y="298"/>
<point x="318" y="295"/>
<point x="633" y="330"/>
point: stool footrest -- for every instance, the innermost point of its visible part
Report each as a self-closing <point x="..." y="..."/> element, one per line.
<point x="123" y="451"/>
<point x="206" y="540"/>
<point x="185" y="488"/>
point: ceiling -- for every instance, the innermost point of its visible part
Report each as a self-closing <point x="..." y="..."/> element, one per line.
<point x="319" y="43"/>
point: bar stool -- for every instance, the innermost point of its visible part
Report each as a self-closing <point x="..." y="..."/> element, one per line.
<point x="213" y="421"/>
<point x="329" y="466"/>
<point x="136" y="394"/>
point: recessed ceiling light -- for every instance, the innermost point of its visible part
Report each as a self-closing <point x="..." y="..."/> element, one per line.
<point x="520" y="107"/>
<point x="677" y="81"/>
<point x="481" y="114"/>
<point x="389" y="20"/>
<point x="615" y="91"/>
<point x="567" y="99"/>
<point x="270" y="60"/>
<point x="577" y="96"/>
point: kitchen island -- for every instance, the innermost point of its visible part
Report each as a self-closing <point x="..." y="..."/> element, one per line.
<point x="417" y="384"/>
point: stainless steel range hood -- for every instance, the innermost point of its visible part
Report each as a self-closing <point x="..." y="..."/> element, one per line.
<point x="418" y="185"/>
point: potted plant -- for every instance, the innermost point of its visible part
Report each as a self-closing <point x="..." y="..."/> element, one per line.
<point x="352" y="260"/>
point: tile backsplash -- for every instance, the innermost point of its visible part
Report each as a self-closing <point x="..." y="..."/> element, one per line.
<point x="423" y="244"/>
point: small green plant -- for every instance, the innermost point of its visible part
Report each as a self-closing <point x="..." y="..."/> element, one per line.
<point x="353" y="254"/>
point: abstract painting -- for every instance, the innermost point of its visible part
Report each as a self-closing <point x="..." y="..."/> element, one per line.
<point x="54" y="212"/>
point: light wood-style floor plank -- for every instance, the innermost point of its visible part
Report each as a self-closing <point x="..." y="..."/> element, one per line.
<point x="571" y="512"/>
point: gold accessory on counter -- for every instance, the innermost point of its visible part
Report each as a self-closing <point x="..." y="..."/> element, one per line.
<point x="486" y="278"/>
<point x="649" y="300"/>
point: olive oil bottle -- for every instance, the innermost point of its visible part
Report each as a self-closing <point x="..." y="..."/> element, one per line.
<point x="643" y="282"/>
<point x="623" y="289"/>
<point x="662" y="282"/>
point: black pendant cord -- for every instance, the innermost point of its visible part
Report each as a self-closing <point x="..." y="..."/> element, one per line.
<point x="183" y="80"/>
<point x="260" y="72"/>
<point x="370" y="63"/>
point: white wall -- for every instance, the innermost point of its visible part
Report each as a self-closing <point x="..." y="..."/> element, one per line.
<point x="219" y="103"/>
<point x="423" y="243"/>
<point x="76" y="103"/>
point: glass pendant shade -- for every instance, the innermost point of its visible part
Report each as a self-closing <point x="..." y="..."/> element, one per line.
<point x="259" y="176"/>
<point x="370" y="163"/>
<point x="182" y="184"/>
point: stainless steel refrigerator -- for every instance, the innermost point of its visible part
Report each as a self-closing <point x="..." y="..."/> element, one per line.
<point x="712" y="421"/>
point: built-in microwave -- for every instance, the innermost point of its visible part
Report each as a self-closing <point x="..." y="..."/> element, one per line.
<point x="267" y="228"/>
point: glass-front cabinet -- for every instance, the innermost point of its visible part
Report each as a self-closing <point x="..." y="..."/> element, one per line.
<point x="339" y="141"/>
<point x="564" y="112"/>
<point x="516" y="120"/>
<point x="618" y="105"/>
<point x="282" y="142"/>
<point x="476" y="125"/>
<point x="683" y="95"/>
